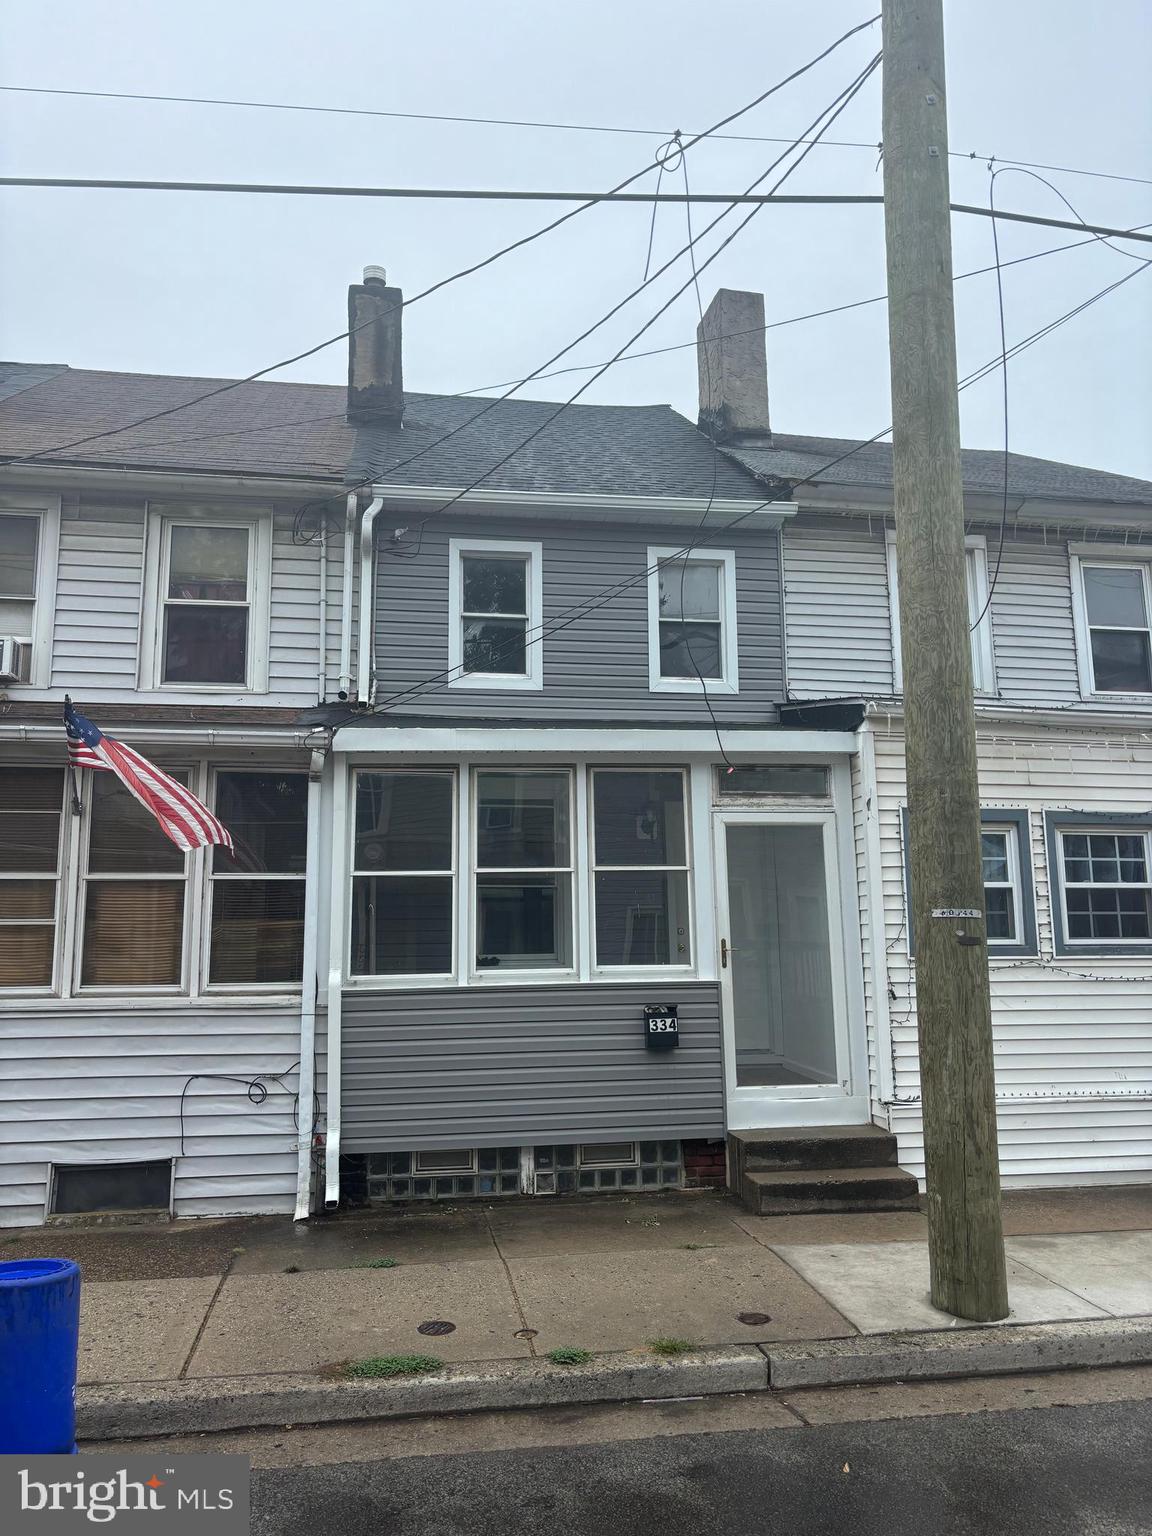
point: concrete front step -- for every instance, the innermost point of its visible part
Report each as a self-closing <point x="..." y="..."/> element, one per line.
<point x="814" y="1191"/>
<point x="813" y="1146"/>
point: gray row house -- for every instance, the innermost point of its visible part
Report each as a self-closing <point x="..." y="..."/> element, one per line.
<point x="562" y="751"/>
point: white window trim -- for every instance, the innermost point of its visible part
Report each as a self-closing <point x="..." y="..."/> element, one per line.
<point x="1080" y="555"/>
<point x="976" y="587"/>
<point x="1121" y="945"/>
<point x="161" y="518"/>
<point x="533" y="678"/>
<point x="1010" y="833"/>
<point x="729" y="682"/>
<point x="47" y="510"/>
<point x="489" y="976"/>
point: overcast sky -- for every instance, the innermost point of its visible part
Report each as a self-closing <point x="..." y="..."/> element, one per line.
<point x="220" y="286"/>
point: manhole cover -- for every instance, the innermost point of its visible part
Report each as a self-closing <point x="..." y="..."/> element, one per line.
<point x="753" y="1319"/>
<point x="525" y="1333"/>
<point x="435" y="1327"/>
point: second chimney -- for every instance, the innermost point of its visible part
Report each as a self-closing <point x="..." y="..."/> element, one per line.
<point x="733" y="368"/>
<point x="375" y="363"/>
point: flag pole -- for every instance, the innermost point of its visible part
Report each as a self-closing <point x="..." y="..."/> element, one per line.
<point x="76" y="806"/>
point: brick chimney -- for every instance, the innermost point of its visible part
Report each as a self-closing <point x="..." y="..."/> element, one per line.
<point x="375" y="372"/>
<point x="733" y="368"/>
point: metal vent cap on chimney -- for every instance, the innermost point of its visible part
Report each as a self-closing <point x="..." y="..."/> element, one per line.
<point x="375" y="275"/>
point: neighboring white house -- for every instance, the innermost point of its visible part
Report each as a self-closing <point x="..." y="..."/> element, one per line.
<point x="1062" y="663"/>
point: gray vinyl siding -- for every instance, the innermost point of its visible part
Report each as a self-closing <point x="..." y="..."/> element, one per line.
<point x="597" y="667"/>
<point x="527" y="1065"/>
<point x="839" y="632"/>
<point x="80" y="1084"/>
<point x="98" y="601"/>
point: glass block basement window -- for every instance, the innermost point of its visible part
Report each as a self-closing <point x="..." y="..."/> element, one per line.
<point x="444" y="1175"/>
<point x="640" y="1165"/>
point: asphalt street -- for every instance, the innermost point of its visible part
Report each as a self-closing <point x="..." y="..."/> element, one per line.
<point x="1056" y="1471"/>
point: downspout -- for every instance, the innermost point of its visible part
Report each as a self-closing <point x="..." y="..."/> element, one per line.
<point x="364" y="669"/>
<point x="877" y="917"/>
<point x="346" y="595"/>
<point x="322" y="619"/>
<point x="306" y="1082"/>
<point x="336" y="946"/>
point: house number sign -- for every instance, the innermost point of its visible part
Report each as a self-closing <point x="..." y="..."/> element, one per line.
<point x="661" y="1024"/>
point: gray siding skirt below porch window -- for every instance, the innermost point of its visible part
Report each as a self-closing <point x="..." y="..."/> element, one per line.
<point x="527" y="1065"/>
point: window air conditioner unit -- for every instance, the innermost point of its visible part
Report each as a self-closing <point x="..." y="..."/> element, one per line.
<point x="11" y="658"/>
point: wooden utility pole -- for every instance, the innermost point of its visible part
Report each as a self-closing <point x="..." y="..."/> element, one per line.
<point x="965" y="1241"/>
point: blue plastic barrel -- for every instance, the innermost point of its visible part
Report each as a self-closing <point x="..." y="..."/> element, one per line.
<point x="39" y="1337"/>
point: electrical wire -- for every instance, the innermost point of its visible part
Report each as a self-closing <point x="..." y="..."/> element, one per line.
<point x="437" y="681"/>
<point x="680" y="346"/>
<point x="462" y="272"/>
<point x="512" y="122"/>
<point x="256" y="1086"/>
<point x="841" y="102"/>
<point x="1004" y="354"/>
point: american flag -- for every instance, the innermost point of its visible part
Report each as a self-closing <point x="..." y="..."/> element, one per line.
<point x="182" y="817"/>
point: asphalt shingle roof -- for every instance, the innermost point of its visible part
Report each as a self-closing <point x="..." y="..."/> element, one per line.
<point x="626" y="450"/>
<point x="270" y="428"/>
<point x="796" y="458"/>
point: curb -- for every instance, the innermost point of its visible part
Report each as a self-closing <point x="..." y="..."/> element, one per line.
<point x="989" y="1351"/>
<point x="136" y="1410"/>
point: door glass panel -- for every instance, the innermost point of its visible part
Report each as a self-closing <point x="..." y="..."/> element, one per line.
<point x="781" y="961"/>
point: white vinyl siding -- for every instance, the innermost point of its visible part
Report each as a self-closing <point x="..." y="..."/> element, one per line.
<point x="92" y="640"/>
<point x="93" y="1085"/>
<point x="1072" y="1043"/>
<point x="839" y="642"/>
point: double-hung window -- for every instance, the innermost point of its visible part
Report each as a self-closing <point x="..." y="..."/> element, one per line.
<point x="692" y="642"/>
<point x="1009" y="899"/>
<point x="1102" y="882"/>
<point x="495" y="600"/>
<point x="206" y="601"/>
<point x="640" y="868"/>
<point x="523" y="870"/>
<point x="979" y="614"/>
<point x="1112" y="604"/>
<point x="29" y="530"/>
<point x="31" y="804"/>
<point x="257" y="906"/>
<point x="404" y="873"/>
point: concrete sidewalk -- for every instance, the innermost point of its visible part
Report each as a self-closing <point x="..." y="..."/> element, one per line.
<point x="197" y="1302"/>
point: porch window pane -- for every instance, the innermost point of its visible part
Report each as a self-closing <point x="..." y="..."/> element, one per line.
<point x="257" y="931"/>
<point x="31" y="803"/>
<point x="401" y="925"/>
<point x="404" y="821"/>
<point x="522" y="820"/>
<point x="124" y="837"/>
<point x="639" y="818"/>
<point x="267" y="815"/>
<point x="523" y="922"/>
<point x="642" y="918"/>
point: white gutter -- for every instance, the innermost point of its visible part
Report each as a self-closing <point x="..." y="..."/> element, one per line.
<point x="336" y="947"/>
<point x="364" y="669"/>
<point x="153" y="733"/>
<point x="306" y="1079"/>
<point x="346" y="596"/>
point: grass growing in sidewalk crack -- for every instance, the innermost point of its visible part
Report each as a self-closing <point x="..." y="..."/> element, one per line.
<point x="378" y="1264"/>
<point x="671" y="1346"/>
<point x="567" y="1355"/>
<point x="393" y="1365"/>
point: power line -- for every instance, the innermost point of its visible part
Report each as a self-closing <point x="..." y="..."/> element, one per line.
<point x="517" y="195"/>
<point x="462" y="272"/>
<point x="440" y="680"/>
<point x="512" y="122"/>
<point x="679" y="346"/>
